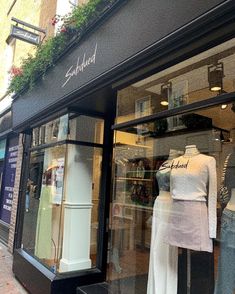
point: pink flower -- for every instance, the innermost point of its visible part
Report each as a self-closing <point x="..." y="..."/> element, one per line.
<point x="16" y="71"/>
<point x="55" y="19"/>
<point x="63" y="30"/>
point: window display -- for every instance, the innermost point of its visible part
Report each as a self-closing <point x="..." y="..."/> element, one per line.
<point x="188" y="111"/>
<point x="63" y="195"/>
<point x="179" y="238"/>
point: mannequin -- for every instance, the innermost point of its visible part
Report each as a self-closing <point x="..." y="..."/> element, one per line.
<point x="163" y="264"/>
<point x="192" y="224"/>
<point x="231" y="203"/>
<point x="191" y="150"/>
<point x="229" y="177"/>
<point x="225" y="282"/>
<point x="43" y="244"/>
<point x="226" y="267"/>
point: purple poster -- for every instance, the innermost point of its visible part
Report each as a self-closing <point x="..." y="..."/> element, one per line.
<point x="9" y="179"/>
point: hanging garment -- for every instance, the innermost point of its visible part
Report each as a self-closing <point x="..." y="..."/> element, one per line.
<point x="163" y="264"/>
<point x="188" y="226"/>
<point x="43" y="242"/>
<point x="225" y="283"/>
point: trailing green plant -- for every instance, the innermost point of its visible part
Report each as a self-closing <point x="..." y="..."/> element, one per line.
<point x="81" y="16"/>
<point x="47" y="53"/>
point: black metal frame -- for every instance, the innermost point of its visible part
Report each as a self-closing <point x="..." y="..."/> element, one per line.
<point x="25" y="24"/>
<point x="221" y="99"/>
<point x="64" y="142"/>
<point x="106" y="189"/>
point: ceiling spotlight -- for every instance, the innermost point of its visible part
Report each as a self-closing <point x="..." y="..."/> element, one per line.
<point x="164" y="103"/>
<point x="224" y="106"/>
<point x="215" y="77"/>
<point x="165" y="93"/>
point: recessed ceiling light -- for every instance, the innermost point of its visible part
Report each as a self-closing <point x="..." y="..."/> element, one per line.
<point x="164" y="103"/>
<point x="224" y="106"/>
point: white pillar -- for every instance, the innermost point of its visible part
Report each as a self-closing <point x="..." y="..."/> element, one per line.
<point x="77" y="209"/>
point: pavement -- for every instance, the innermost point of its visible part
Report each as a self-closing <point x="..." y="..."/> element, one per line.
<point x="8" y="283"/>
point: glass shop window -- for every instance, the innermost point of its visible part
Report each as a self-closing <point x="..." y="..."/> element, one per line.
<point x="51" y="132"/>
<point x="63" y="194"/>
<point x="203" y="76"/>
<point x="172" y="220"/>
<point x="87" y="129"/>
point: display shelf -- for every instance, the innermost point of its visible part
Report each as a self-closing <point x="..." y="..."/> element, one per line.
<point x="119" y="144"/>
<point x="133" y="179"/>
<point x="134" y="206"/>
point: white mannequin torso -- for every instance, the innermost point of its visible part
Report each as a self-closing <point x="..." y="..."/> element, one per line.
<point x="191" y="150"/>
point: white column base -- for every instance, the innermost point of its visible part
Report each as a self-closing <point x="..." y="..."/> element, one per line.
<point x="66" y="265"/>
<point x="76" y="239"/>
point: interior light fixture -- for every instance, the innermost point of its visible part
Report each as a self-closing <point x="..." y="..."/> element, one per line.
<point x="165" y="93"/>
<point x="224" y="106"/>
<point x="215" y="77"/>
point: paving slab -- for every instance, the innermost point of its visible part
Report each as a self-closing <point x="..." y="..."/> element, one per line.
<point x="8" y="283"/>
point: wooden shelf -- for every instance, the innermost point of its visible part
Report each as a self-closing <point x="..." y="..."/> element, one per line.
<point x="119" y="144"/>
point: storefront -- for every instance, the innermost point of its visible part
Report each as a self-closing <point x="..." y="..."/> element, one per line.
<point x="126" y="155"/>
<point x="8" y="159"/>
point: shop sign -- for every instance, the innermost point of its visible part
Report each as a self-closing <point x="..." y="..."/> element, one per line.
<point x="80" y="66"/>
<point x="9" y="179"/>
<point x="23" y="35"/>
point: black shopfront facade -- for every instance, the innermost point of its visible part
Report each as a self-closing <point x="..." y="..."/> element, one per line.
<point x="97" y="133"/>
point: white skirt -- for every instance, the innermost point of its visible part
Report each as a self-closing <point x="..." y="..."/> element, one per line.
<point x="188" y="226"/>
<point x="163" y="264"/>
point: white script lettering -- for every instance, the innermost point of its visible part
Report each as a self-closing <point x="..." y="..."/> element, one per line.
<point x="27" y="35"/>
<point x="80" y="67"/>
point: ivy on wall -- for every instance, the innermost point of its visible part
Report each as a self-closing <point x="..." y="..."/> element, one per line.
<point x="34" y="67"/>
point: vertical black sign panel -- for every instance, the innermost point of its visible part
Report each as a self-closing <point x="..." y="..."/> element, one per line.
<point x="9" y="179"/>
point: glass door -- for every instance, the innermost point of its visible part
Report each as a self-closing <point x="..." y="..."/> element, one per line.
<point x="131" y="209"/>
